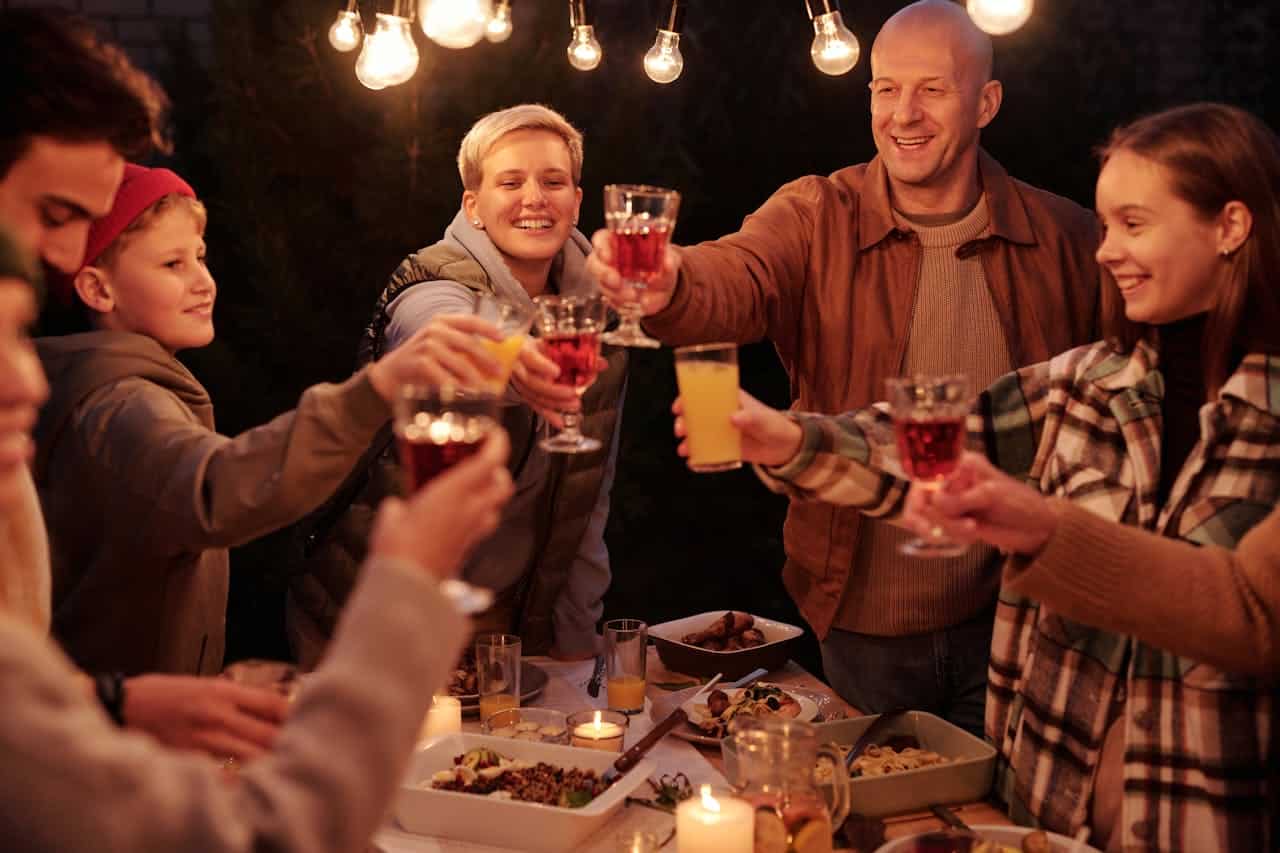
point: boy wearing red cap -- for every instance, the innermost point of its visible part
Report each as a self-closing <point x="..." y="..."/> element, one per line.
<point x="142" y="496"/>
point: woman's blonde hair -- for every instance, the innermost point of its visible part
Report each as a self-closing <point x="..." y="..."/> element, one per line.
<point x="486" y="132"/>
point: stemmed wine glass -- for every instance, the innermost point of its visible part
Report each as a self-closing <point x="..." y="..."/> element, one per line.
<point x="640" y="221"/>
<point x="569" y="330"/>
<point x="929" y="420"/>
<point x="436" y="428"/>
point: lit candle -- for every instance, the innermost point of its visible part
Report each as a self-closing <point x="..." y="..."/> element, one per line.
<point x="711" y="825"/>
<point x="599" y="734"/>
<point x="443" y="717"/>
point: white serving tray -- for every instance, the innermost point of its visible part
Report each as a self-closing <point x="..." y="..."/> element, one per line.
<point x="508" y="823"/>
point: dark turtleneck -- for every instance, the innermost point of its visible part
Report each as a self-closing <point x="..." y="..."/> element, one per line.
<point x="1182" y="367"/>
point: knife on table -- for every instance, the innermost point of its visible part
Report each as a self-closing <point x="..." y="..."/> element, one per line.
<point x="629" y="758"/>
<point x="593" y="686"/>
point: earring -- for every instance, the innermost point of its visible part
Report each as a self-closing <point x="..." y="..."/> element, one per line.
<point x="1226" y="253"/>
<point x="478" y="224"/>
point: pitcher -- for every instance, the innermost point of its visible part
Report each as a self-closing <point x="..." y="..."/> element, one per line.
<point x="776" y="763"/>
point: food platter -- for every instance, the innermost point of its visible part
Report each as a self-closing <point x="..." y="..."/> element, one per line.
<point x="808" y="711"/>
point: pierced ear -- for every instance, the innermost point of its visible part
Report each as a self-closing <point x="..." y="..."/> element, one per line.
<point x="94" y="289"/>
<point x="469" y="200"/>
<point x="1235" y="224"/>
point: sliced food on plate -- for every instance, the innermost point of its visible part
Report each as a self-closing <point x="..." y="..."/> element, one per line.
<point x="729" y="633"/>
<point x="755" y="700"/>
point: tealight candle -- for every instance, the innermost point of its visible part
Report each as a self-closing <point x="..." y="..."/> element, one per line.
<point x="710" y="824"/>
<point x="443" y="717"/>
<point x="603" y="730"/>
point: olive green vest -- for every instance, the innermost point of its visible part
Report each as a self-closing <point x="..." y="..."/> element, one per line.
<point x="335" y="536"/>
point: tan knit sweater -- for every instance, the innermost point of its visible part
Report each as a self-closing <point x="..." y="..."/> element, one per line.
<point x="24" y="559"/>
<point x="954" y="329"/>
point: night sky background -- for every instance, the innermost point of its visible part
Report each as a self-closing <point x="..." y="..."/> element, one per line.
<point x="317" y="187"/>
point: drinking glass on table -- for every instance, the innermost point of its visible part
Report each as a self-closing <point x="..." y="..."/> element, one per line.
<point x="708" y="378"/>
<point x="625" y="652"/>
<point x="497" y="672"/>
<point x="513" y="320"/>
<point x="438" y="427"/>
<point x="929" y="415"/>
<point x="640" y="220"/>
<point x="569" y="329"/>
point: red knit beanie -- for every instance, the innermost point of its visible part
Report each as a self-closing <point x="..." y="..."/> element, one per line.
<point x="141" y="188"/>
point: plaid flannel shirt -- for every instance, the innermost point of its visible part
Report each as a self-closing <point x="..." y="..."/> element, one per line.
<point x="1086" y="425"/>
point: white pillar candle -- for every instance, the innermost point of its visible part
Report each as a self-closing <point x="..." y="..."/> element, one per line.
<point x="443" y="717"/>
<point x="710" y="824"/>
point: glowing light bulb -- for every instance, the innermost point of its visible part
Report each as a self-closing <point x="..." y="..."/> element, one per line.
<point x="389" y="56"/>
<point x="835" y="50"/>
<point x="346" y="32"/>
<point x="455" y="23"/>
<point x="663" y="63"/>
<point x="1000" y="17"/>
<point x="499" y="26"/>
<point x="584" y="51"/>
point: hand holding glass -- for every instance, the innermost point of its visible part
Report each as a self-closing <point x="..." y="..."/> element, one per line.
<point x="569" y="329"/>
<point x="929" y="420"/>
<point x="640" y="220"/>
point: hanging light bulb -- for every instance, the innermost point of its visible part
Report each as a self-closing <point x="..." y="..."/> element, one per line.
<point x="663" y="63"/>
<point x="1000" y="17"/>
<point x="346" y="32"/>
<point x="455" y="23"/>
<point x="499" y="26"/>
<point x="584" y="51"/>
<point x="835" y="50"/>
<point x="389" y="57"/>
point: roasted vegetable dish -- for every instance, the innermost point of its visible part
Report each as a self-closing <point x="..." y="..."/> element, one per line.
<point x="483" y="771"/>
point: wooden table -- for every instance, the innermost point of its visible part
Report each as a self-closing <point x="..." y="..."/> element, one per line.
<point x="895" y="826"/>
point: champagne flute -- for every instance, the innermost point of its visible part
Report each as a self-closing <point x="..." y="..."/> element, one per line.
<point x="929" y="420"/>
<point x="640" y="220"/>
<point x="569" y="329"/>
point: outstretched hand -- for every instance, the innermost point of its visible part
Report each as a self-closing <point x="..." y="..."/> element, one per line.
<point x="659" y="289"/>
<point x="213" y="715"/>
<point x="769" y="437"/>
<point x="980" y="503"/>
<point x="446" y="351"/>
<point x="436" y="527"/>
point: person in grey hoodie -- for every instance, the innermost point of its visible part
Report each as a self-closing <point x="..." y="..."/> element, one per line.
<point x="514" y="237"/>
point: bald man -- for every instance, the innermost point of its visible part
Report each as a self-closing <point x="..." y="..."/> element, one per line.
<point x="928" y="259"/>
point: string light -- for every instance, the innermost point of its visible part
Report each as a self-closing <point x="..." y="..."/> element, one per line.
<point x="499" y="26"/>
<point x="663" y="63"/>
<point x="584" y="51"/>
<point x="347" y="31"/>
<point x="1000" y="17"/>
<point x="389" y="56"/>
<point x="835" y="50"/>
<point x="455" y="24"/>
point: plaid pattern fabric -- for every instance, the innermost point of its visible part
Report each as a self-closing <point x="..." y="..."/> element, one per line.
<point x="1086" y="426"/>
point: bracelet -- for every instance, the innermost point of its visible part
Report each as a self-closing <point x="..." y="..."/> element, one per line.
<point x="110" y="689"/>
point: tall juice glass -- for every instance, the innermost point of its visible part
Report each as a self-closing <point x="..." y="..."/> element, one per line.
<point x="513" y="320"/>
<point x="708" y="378"/>
<point x="626" y="651"/>
<point x="497" y="672"/>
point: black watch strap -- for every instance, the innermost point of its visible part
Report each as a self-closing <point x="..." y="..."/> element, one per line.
<point x="110" y="689"/>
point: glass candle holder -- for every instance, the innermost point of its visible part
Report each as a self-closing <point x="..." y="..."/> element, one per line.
<point x="593" y="729"/>
<point x="443" y="717"/>
<point x="715" y="822"/>
<point x="635" y="841"/>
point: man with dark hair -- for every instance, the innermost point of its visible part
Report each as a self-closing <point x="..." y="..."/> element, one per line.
<point x="75" y="109"/>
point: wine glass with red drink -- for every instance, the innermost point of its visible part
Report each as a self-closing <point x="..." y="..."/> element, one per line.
<point x="640" y="220"/>
<point x="929" y="420"/>
<point x="569" y="330"/>
<point x="437" y="428"/>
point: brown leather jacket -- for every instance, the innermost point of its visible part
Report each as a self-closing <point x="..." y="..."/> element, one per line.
<point x="822" y="271"/>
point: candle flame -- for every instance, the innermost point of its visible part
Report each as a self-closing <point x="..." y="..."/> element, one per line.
<point x="709" y="802"/>
<point x="597" y="721"/>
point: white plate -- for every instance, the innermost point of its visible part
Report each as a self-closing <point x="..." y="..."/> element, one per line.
<point x="808" y="711"/>
<point x="508" y="823"/>
<point x="1010" y="835"/>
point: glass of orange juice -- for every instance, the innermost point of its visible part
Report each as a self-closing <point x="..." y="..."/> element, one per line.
<point x="497" y="672"/>
<point x="708" y="378"/>
<point x="513" y="319"/>
<point x="625" y="653"/>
